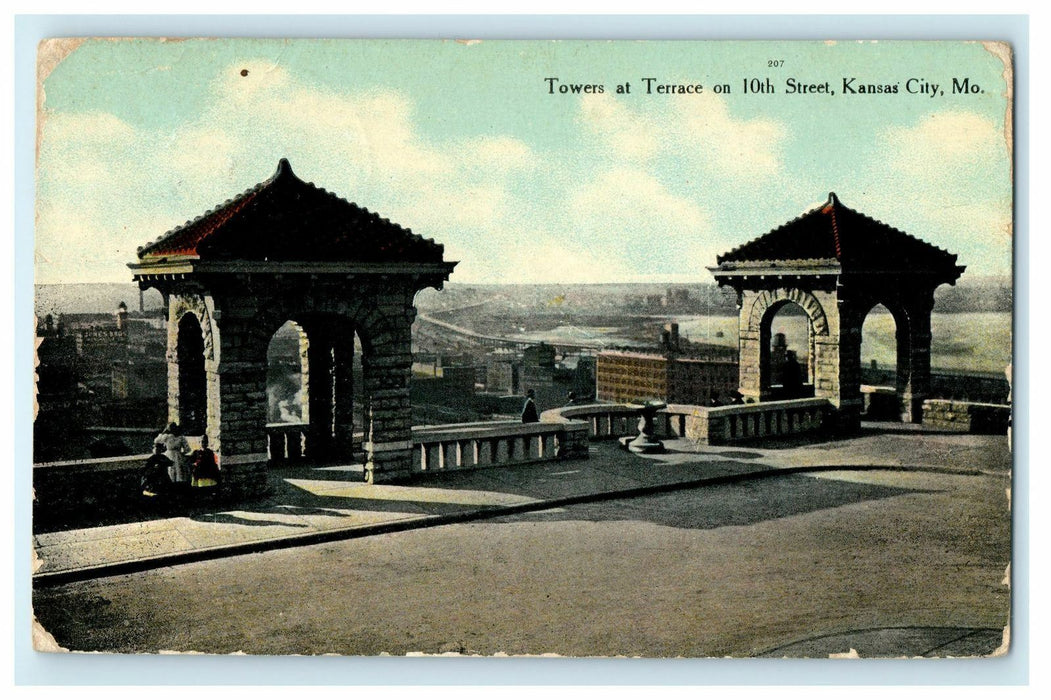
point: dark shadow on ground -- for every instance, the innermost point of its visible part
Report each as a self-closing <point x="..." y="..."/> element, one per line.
<point x="726" y="505"/>
<point x="132" y="509"/>
<point x="732" y="454"/>
<point x="608" y="470"/>
<point x="869" y="429"/>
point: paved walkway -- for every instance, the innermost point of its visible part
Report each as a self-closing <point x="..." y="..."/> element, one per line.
<point x="310" y="505"/>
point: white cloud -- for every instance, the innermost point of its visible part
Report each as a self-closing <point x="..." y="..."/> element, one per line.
<point x="496" y="155"/>
<point x="627" y="133"/>
<point x="745" y="148"/>
<point x="540" y="257"/>
<point x="698" y="128"/>
<point x="943" y="166"/>
<point x="448" y="207"/>
<point x="944" y="143"/>
<point x="628" y="203"/>
<point x="107" y="187"/>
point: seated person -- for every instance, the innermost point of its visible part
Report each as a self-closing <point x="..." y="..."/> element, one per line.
<point x="154" y="479"/>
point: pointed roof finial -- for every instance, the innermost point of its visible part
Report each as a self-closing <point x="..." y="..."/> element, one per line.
<point x="832" y="198"/>
<point x="283" y="168"/>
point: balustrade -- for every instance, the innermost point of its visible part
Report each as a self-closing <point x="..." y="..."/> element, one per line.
<point x="478" y="445"/>
<point x="287" y="442"/>
<point x="727" y="425"/>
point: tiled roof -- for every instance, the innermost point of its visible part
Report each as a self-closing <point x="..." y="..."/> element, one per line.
<point x="286" y="219"/>
<point x="835" y="232"/>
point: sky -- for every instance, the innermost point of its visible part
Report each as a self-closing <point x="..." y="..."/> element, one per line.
<point x="469" y="143"/>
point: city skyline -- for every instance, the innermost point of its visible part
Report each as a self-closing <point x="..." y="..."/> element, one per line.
<point x="471" y="144"/>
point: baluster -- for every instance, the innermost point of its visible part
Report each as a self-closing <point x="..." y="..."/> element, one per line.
<point x="502" y="450"/>
<point x="433" y="456"/>
<point x="536" y="446"/>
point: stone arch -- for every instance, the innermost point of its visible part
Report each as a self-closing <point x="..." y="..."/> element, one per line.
<point x="806" y="379"/>
<point x="769" y="301"/>
<point x="903" y="341"/>
<point x="200" y="307"/>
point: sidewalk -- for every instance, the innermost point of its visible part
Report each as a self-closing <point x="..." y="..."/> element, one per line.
<point x="311" y="505"/>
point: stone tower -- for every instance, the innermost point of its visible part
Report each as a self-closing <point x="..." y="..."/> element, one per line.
<point x="286" y="250"/>
<point x="837" y="264"/>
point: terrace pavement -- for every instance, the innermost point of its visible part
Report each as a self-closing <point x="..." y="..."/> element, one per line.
<point x="313" y="504"/>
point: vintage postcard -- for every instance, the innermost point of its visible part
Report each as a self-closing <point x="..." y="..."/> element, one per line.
<point x="582" y="348"/>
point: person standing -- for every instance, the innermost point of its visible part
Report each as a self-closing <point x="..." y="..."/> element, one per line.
<point x="529" y="413"/>
<point x="175" y="449"/>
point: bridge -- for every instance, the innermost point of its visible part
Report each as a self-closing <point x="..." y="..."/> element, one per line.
<point x="433" y="327"/>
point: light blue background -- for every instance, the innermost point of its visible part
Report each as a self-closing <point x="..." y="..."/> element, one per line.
<point x="36" y="668"/>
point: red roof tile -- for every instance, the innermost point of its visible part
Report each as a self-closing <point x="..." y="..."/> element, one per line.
<point x="286" y="219"/>
<point x="835" y="232"/>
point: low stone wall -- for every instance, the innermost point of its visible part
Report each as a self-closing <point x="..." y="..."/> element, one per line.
<point x="731" y="425"/>
<point x="716" y="425"/>
<point x="88" y="489"/>
<point x="496" y="444"/>
<point x="604" y="421"/>
<point x="81" y="490"/>
<point x="967" y="417"/>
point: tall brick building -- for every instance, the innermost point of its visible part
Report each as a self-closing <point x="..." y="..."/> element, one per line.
<point x="633" y="377"/>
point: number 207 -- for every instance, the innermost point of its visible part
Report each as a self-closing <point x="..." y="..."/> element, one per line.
<point x="775" y="63"/>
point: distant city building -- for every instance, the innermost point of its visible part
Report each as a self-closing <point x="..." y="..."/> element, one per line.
<point x="501" y="374"/>
<point x="678" y="372"/>
<point x="552" y="379"/>
<point x="97" y="371"/>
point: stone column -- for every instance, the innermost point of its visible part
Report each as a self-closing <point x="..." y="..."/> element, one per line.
<point x="903" y="347"/>
<point x="750" y="352"/>
<point x="848" y="398"/>
<point x="171" y="356"/>
<point x="827" y="350"/>
<point x="238" y="401"/>
<point x="388" y="411"/>
<point x="918" y="387"/>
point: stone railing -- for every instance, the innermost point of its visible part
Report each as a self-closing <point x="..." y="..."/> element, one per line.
<point x="287" y="442"/>
<point x="967" y="417"/>
<point x="495" y="444"/>
<point x="716" y="425"/>
<point x="604" y="421"/>
<point x="729" y="425"/>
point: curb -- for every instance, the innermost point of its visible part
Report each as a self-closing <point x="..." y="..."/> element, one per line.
<point x="57" y="578"/>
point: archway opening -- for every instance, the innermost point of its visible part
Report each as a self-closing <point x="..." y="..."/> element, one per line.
<point x="287" y="393"/>
<point x="787" y="346"/>
<point x="193" y="403"/>
<point x="287" y="381"/>
<point x="884" y="357"/>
